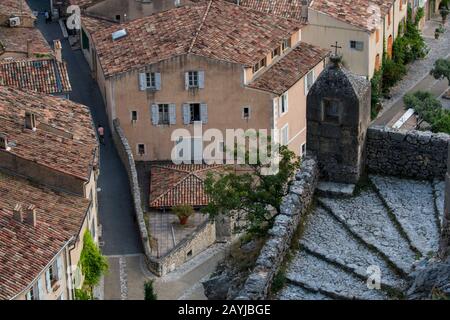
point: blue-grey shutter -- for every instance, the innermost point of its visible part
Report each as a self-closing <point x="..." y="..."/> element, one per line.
<point x="155" y="114"/>
<point x="172" y="113"/>
<point x="59" y="267"/>
<point x="47" y="281"/>
<point x="186" y="113"/>
<point x="201" y="79"/>
<point x="186" y="80"/>
<point x="40" y="291"/>
<point x="142" y="81"/>
<point x="204" y="112"/>
<point x="28" y="295"/>
<point x="158" y="81"/>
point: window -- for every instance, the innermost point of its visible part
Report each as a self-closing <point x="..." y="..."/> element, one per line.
<point x="246" y="113"/>
<point x="400" y="5"/>
<point x="117" y="17"/>
<point x="275" y="52"/>
<point x="331" y="110"/>
<point x="134" y="116"/>
<point x="285" y="44"/>
<point x="389" y="18"/>
<point x="163" y="111"/>
<point x="30" y="294"/>
<point x="284" y="103"/>
<point x="150" y="80"/>
<point x="193" y="79"/>
<point x="377" y="35"/>
<point x="141" y="149"/>
<point x="285" y="135"/>
<point x="357" y="45"/>
<point x="303" y="150"/>
<point x="259" y="65"/>
<point x="309" y="81"/>
<point x="195" y="112"/>
<point x="377" y="62"/>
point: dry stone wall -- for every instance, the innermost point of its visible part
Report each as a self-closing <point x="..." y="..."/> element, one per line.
<point x="414" y="154"/>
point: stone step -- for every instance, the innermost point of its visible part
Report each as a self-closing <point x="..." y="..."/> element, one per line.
<point x="327" y="238"/>
<point x="317" y="275"/>
<point x="366" y="218"/>
<point x="412" y="204"/>
<point x="294" y="292"/>
<point x="439" y="196"/>
<point x="334" y="189"/>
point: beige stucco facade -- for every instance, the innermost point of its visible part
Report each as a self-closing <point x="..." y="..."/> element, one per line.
<point x="363" y="61"/>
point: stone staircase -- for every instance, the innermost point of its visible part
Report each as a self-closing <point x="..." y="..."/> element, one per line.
<point x="389" y="224"/>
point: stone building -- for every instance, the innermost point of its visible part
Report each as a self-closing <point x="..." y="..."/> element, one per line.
<point x="338" y="114"/>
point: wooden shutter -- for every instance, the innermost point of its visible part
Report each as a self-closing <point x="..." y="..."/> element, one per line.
<point x="201" y="79"/>
<point x="186" y="80"/>
<point x="172" y="113"/>
<point x="157" y="81"/>
<point x="40" y="291"/>
<point x="204" y="112"/>
<point x="142" y="81"/>
<point x="47" y="281"/>
<point x="186" y="113"/>
<point x="59" y="267"/>
<point x="155" y="114"/>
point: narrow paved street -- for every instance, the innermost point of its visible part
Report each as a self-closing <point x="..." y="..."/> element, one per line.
<point x="120" y="235"/>
<point x="418" y="77"/>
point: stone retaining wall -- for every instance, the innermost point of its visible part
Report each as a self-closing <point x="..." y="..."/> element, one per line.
<point x="202" y="238"/>
<point x="293" y="210"/>
<point x="414" y="154"/>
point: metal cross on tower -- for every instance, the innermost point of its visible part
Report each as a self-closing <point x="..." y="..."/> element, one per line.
<point x="336" y="47"/>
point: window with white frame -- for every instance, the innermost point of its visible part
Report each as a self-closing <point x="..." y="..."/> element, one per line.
<point x="284" y="103"/>
<point x="246" y="113"/>
<point x="286" y="44"/>
<point x="285" y="135"/>
<point x="193" y="79"/>
<point x="357" y="45"/>
<point x="303" y="149"/>
<point x="134" y="116"/>
<point x="150" y="79"/>
<point x="30" y="294"/>
<point x="309" y="81"/>
<point x="163" y="111"/>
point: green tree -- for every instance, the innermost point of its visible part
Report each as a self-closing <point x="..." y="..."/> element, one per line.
<point x="429" y="109"/>
<point x="93" y="263"/>
<point x="149" y="292"/>
<point x="251" y="194"/>
<point x="441" y="69"/>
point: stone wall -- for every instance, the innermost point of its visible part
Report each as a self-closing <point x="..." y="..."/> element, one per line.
<point x="124" y="150"/>
<point x="202" y="238"/>
<point x="414" y="154"/>
<point x="293" y="210"/>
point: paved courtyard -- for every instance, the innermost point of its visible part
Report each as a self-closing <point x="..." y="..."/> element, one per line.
<point x="389" y="225"/>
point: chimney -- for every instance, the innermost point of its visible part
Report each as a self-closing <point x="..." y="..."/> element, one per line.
<point x="58" y="50"/>
<point x="29" y="49"/>
<point x="4" y="142"/>
<point x="30" y="213"/>
<point x="30" y="121"/>
<point x="17" y="213"/>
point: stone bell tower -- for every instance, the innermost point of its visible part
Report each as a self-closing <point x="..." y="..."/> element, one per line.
<point x="338" y="114"/>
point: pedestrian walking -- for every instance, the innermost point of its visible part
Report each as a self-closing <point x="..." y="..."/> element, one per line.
<point x="47" y="16"/>
<point x="101" y="134"/>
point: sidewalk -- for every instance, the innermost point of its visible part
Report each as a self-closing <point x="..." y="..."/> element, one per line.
<point x="418" y="77"/>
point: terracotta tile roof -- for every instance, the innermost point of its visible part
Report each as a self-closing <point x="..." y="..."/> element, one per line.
<point x="40" y="75"/>
<point x="285" y="8"/>
<point x="15" y="40"/>
<point x="171" y="184"/>
<point x="289" y="69"/>
<point x="65" y="139"/>
<point x="214" y="29"/>
<point x="93" y="24"/>
<point x="363" y="14"/>
<point x="26" y="250"/>
<point x="83" y="4"/>
<point x="15" y="7"/>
